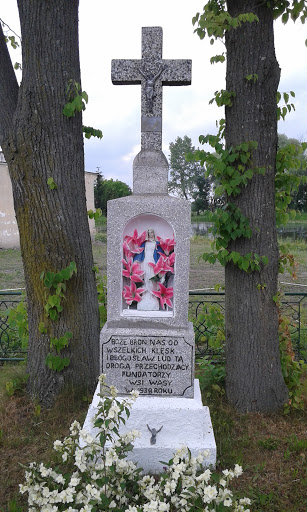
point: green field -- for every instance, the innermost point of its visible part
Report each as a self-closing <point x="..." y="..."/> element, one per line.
<point x="202" y="275"/>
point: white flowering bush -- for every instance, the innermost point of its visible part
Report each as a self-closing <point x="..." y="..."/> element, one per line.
<point x="94" y="474"/>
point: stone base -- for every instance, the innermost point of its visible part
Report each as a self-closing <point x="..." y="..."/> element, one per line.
<point x="184" y="421"/>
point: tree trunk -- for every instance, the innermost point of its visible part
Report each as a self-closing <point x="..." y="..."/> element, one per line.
<point x="254" y="380"/>
<point x="40" y="143"/>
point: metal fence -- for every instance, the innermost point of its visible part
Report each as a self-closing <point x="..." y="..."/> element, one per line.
<point x="206" y="310"/>
<point x="10" y="346"/>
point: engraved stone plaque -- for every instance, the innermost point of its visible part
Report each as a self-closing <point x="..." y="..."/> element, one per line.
<point x="151" y="124"/>
<point x="154" y="365"/>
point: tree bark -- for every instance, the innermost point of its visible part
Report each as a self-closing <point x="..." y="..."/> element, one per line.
<point x="254" y="379"/>
<point x="38" y="143"/>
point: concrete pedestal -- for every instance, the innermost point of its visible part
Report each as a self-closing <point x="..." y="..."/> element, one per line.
<point x="184" y="421"/>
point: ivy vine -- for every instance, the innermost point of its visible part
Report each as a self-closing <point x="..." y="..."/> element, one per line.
<point x="55" y="288"/>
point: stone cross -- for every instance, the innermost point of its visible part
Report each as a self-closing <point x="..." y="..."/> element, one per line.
<point x="152" y="72"/>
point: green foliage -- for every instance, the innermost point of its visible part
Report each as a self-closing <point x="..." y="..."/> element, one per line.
<point x="16" y="384"/>
<point x="51" y="184"/>
<point x="91" y="132"/>
<point x="218" y="58"/>
<point x="291" y="178"/>
<point x="12" y="40"/>
<point x="223" y="98"/>
<point x="231" y="168"/>
<point x="282" y="111"/>
<point x="286" y="261"/>
<point x="292" y="370"/>
<point x="212" y="377"/>
<point x="94" y="215"/>
<point x="18" y="319"/>
<point x="56" y="281"/>
<point x="53" y="307"/>
<point x="102" y="296"/>
<point x="215" y="20"/>
<point x="289" y="159"/>
<point x="210" y="327"/>
<point x="105" y="190"/>
<point x="77" y="99"/>
<point x="253" y="77"/>
<point x="187" y="177"/>
<point x="287" y="11"/>
<point x="56" y="363"/>
<point x="60" y="343"/>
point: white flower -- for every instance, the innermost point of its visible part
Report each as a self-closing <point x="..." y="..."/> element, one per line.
<point x="227" y="502"/>
<point x="64" y="456"/>
<point x="204" y="477"/>
<point x="245" y="501"/>
<point x="135" y="394"/>
<point x="74" y="481"/>
<point x="102" y="378"/>
<point x="87" y="508"/>
<point x="57" y="445"/>
<point x="210" y="493"/>
<point x="238" y="470"/>
<point x="66" y="496"/>
<point x="113" y="412"/>
<point x="59" y="479"/>
<point x="75" y="427"/>
<point x="86" y="436"/>
<point x="163" y="507"/>
<point x="200" y="458"/>
<point x="23" y="488"/>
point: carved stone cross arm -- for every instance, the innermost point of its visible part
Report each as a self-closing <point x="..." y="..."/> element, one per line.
<point x="152" y="72"/>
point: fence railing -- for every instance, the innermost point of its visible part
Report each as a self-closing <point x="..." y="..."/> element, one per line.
<point x="10" y="346"/>
<point x="206" y="310"/>
<point x="293" y="308"/>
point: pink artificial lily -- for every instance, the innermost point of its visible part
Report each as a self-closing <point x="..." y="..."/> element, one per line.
<point x="167" y="245"/>
<point x="162" y="266"/>
<point x="133" y="271"/>
<point x="135" y="239"/>
<point x="128" y="252"/>
<point x="131" y="293"/>
<point x="165" y="295"/>
<point x="171" y="259"/>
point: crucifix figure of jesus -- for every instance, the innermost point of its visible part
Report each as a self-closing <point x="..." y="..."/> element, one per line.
<point x="152" y="72"/>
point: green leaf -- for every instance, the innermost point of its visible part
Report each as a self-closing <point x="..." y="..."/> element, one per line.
<point x="51" y="183"/>
<point x="235" y="256"/>
<point x="56" y="363"/>
<point x="42" y="328"/>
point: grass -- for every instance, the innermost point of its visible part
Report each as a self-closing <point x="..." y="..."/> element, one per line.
<point x="27" y="433"/>
<point x="271" y="448"/>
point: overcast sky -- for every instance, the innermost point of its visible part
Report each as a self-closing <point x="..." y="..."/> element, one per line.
<point x="112" y="30"/>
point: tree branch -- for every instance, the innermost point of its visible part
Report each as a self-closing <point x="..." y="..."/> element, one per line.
<point x="8" y="88"/>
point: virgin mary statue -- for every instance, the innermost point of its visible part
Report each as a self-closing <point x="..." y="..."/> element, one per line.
<point x="150" y="254"/>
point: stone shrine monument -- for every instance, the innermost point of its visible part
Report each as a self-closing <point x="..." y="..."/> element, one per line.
<point x="147" y="342"/>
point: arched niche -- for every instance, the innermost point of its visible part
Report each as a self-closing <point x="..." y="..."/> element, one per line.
<point x="148" y="267"/>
